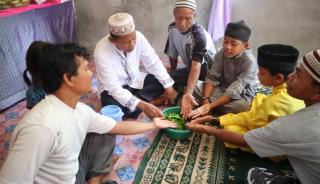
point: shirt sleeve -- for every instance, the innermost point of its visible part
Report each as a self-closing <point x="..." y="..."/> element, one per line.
<point x="200" y="43"/>
<point x="266" y="141"/>
<point x="99" y="123"/>
<point x="262" y="111"/>
<point x="235" y="119"/>
<point x="29" y="149"/>
<point x="247" y="76"/>
<point x="153" y="64"/>
<point x="213" y="75"/>
<point x="170" y="48"/>
<point x="109" y="81"/>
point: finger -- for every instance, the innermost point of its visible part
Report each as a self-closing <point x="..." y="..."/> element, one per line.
<point x="160" y="114"/>
<point x="189" y="125"/>
<point x="185" y="115"/>
<point x="192" y="113"/>
<point x="196" y="116"/>
<point x="183" y="111"/>
<point x="202" y="120"/>
<point x="157" y="113"/>
<point x="194" y="102"/>
<point x="160" y="118"/>
<point x="172" y="125"/>
<point x="195" y="121"/>
<point x="207" y="118"/>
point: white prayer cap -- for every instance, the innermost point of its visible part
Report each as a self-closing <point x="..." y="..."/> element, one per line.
<point x="186" y="4"/>
<point x="311" y="62"/>
<point x="121" y="24"/>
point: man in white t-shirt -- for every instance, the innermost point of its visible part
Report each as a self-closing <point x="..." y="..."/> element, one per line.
<point x="119" y="57"/>
<point x="296" y="135"/>
<point x="46" y="143"/>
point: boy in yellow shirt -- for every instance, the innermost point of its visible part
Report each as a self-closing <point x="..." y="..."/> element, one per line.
<point x="276" y="62"/>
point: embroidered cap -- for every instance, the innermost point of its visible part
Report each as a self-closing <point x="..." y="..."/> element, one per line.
<point x="186" y="4"/>
<point x="121" y="24"/>
<point x="311" y="62"/>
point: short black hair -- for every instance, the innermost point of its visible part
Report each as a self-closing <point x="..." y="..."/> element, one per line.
<point x="283" y="73"/>
<point x="60" y="60"/>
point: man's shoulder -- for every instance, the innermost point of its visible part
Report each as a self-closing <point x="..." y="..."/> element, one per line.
<point x="103" y="45"/>
<point x="219" y="55"/>
<point x="40" y="115"/>
<point x="140" y="36"/>
<point x="172" y="25"/>
<point x="248" y="56"/>
<point x="197" y="28"/>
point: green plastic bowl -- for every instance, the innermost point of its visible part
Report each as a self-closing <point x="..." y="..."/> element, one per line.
<point x="174" y="133"/>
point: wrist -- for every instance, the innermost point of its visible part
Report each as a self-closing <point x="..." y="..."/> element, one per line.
<point x="168" y="89"/>
<point x="212" y="105"/>
<point x="203" y="102"/>
<point x="188" y="91"/>
<point x="205" y="98"/>
<point x="141" y="105"/>
<point x="187" y="94"/>
<point x="153" y="125"/>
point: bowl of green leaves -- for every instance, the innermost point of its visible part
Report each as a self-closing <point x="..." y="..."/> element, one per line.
<point x="179" y="133"/>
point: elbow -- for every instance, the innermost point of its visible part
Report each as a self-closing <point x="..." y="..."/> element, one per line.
<point x="243" y="143"/>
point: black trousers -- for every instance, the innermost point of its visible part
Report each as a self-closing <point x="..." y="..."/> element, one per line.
<point x="180" y="76"/>
<point x="258" y="175"/>
<point x="151" y="90"/>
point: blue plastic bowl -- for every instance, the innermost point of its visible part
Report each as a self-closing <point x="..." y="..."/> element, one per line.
<point x="175" y="133"/>
<point x="113" y="112"/>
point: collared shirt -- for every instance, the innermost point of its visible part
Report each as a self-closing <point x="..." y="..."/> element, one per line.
<point x="235" y="76"/>
<point x="192" y="45"/>
<point x="297" y="136"/>
<point x="115" y="70"/>
<point x="265" y="109"/>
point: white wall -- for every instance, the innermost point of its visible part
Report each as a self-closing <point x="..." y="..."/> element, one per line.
<point x="295" y="22"/>
<point x="152" y="18"/>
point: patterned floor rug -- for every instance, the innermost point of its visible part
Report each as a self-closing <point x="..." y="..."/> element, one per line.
<point x="200" y="159"/>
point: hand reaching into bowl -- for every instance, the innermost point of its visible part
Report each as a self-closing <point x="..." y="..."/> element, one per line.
<point x="202" y="119"/>
<point x="162" y="123"/>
